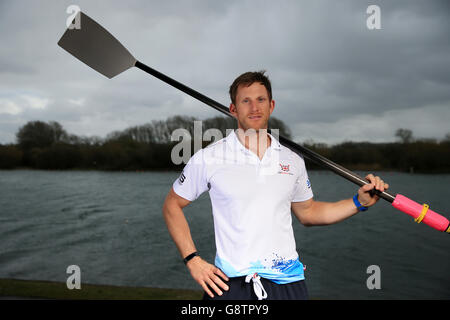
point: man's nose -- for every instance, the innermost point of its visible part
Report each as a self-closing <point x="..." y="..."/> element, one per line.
<point x="253" y="106"/>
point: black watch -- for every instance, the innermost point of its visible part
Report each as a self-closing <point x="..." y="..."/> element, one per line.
<point x="189" y="257"/>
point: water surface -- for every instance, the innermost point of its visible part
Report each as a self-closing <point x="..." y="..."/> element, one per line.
<point x="110" y="225"/>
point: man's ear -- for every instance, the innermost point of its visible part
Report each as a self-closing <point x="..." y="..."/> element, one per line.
<point x="272" y="106"/>
<point x="233" y="110"/>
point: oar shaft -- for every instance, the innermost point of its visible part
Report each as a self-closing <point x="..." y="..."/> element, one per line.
<point x="174" y="83"/>
<point x="311" y="155"/>
<point x="336" y="168"/>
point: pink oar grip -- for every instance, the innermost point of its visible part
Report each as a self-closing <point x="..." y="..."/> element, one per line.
<point x="414" y="209"/>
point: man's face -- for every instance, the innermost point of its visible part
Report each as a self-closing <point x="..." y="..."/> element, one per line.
<point x="253" y="107"/>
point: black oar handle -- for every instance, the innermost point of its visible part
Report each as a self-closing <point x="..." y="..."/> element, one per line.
<point x="311" y="155"/>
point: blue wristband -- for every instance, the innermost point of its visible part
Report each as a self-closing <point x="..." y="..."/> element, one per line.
<point x="358" y="204"/>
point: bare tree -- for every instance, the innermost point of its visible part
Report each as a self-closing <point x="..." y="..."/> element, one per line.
<point x="39" y="134"/>
<point x="405" y="135"/>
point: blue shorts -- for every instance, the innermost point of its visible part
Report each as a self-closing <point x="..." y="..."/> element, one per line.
<point x="241" y="290"/>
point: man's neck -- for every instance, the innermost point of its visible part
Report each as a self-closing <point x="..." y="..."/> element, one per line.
<point x="257" y="141"/>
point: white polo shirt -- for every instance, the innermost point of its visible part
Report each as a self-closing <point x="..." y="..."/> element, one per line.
<point x="251" y="204"/>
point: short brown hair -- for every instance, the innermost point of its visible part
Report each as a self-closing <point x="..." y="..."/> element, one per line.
<point x="248" y="79"/>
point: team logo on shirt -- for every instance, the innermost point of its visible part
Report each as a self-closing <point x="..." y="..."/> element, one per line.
<point x="308" y="184"/>
<point x="285" y="169"/>
<point x="182" y="178"/>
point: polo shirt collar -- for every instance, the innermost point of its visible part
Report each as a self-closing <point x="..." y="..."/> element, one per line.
<point x="234" y="142"/>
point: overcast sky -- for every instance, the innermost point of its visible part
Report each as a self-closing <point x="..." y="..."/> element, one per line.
<point x="333" y="79"/>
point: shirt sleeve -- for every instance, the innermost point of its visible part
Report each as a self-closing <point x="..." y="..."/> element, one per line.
<point x="302" y="188"/>
<point x="192" y="181"/>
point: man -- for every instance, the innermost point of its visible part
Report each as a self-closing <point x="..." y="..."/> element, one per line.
<point x="254" y="184"/>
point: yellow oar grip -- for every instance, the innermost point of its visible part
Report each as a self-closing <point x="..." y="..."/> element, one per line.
<point x="422" y="215"/>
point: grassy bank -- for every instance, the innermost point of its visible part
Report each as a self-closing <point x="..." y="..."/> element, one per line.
<point x="58" y="290"/>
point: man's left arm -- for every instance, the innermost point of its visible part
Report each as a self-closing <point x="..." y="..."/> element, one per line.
<point x="316" y="213"/>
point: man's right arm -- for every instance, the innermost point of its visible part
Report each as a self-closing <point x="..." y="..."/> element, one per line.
<point x="203" y="272"/>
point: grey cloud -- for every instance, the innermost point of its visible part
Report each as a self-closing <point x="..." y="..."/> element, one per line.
<point x="327" y="68"/>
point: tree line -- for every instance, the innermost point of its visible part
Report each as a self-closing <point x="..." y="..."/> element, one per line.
<point x="47" y="145"/>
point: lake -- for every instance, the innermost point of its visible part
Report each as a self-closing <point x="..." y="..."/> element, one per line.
<point x="110" y="225"/>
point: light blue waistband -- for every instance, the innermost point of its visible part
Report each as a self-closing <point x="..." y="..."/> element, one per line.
<point x="281" y="272"/>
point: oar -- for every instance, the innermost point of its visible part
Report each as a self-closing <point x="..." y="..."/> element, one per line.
<point x="96" y="47"/>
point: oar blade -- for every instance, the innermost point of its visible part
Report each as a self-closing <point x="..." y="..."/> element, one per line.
<point x="96" y="47"/>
